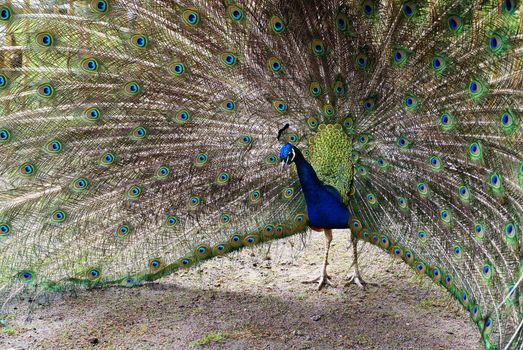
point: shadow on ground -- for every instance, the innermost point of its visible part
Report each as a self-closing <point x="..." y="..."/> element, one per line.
<point x="249" y="302"/>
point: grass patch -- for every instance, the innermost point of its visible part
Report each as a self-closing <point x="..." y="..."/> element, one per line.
<point x="426" y="303"/>
<point x="431" y="303"/>
<point x="209" y="338"/>
<point x="300" y="296"/>
<point x="7" y="317"/>
<point x="9" y="331"/>
<point x="363" y="339"/>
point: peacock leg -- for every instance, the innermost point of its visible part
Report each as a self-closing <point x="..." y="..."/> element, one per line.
<point x="323" y="278"/>
<point x="355" y="277"/>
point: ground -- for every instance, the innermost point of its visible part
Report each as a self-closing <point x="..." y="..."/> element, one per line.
<point x="254" y="300"/>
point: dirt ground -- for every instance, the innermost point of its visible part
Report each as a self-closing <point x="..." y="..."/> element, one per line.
<point x="254" y="300"/>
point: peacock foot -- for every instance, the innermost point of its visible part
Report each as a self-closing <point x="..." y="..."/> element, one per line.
<point x="357" y="280"/>
<point x="322" y="280"/>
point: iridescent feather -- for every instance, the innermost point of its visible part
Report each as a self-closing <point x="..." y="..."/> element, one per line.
<point x="139" y="137"/>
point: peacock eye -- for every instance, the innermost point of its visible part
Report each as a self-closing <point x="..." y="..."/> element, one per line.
<point x="399" y="56"/>
<point x="194" y="201"/>
<point x="339" y="88"/>
<point x="315" y="89"/>
<point x="3" y="81"/>
<point x="92" y="114"/>
<point x="317" y="47"/>
<point x="99" y="6"/>
<point x="123" y="231"/>
<point x="93" y="274"/>
<point x="510" y="230"/>
<point x="276" y="25"/>
<point x="138" y="40"/>
<point x="5" y="13"/>
<point x="423" y="189"/>
<point x="474" y="86"/>
<point x="455" y="23"/>
<point x="44" y="39"/>
<point x="369" y="104"/>
<point x="90" y="65"/>
<point x="134" y="192"/>
<point x="225" y="218"/>
<point x="368" y="8"/>
<point x="171" y="221"/>
<point x="54" y="147"/>
<point x="361" y="61"/>
<point x="246" y="140"/>
<point x="138" y="133"/>
<point x="163" y="172"/>
<point x="132" y="88"/>
<point x="228" y="106"/>
<point x="509" y="6"/>
<point x="435" y="163"/>
<point x="275" y="65"/>
<point x="178" y="68"/>
<point x="46" y="90"/>
<point x="341" y="23"/>
<point x="229" y="59"/>
<point x="201" y="159"/>
<point x="4" y="229"/>
<point x="409" y="10"/>
<point x="191" y="17"/>
<point x="27" y="169"/>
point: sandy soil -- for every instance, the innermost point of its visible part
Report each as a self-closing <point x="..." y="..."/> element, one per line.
<point x="254" y="300"/>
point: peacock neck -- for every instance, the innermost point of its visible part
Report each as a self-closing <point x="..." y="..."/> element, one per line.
<point x="308" y="179"/>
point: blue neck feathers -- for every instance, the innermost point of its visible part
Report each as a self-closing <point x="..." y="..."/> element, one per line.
<point x="324" y="204"/>
<point x="308" y="179"/>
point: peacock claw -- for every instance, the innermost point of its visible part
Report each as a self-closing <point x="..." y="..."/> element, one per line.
<point x="357" y="280"/>
<point x="321" y="280"/>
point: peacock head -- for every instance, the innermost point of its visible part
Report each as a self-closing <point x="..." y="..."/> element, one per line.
<point x="287" y="154"/>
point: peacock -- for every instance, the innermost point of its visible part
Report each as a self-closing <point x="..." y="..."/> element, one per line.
<point x="143" y="137"/>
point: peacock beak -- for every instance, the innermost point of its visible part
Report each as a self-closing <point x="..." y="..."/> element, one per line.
<point x="283" y="164"/>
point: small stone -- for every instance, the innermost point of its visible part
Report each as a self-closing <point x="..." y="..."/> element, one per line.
<point x="94" y="341"/>
<point x="316" y="317"/>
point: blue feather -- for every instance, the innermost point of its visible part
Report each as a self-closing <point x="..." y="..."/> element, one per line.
<point x="324" y="203"/>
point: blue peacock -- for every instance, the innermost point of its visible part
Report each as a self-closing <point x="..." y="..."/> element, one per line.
<point x="141" y="137"/>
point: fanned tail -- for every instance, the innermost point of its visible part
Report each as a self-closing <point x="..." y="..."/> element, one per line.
<point x="140" y="137"/>
<point x="439" y="179"/>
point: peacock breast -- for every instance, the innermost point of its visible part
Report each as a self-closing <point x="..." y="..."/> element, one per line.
<point x="330" y="154"/>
